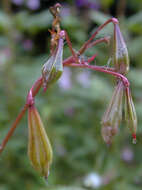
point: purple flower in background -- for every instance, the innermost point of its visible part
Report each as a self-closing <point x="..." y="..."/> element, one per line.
<point x="91" y="4"/>
<point x="84" y="79"/>
<point x="81" y="3"/>
<point x="60" y="149"/>
<point x="33" y="4"/>
<point x="65" y="81"/>
<point x="18" y="2"/>
<point x="127" y="154"/>
<point x="28" y="44"/>
<point x="65" y="11"/>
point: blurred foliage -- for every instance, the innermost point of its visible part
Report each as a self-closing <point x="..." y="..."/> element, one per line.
<point x="71" y="112"/>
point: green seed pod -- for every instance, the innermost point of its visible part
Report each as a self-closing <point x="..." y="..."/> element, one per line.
<point x="113" y="115"/>
<point x="130" y="115"/>
<point x="120" y="54"/>
<point x="39" y="148"/>
<point x="53" y="68"/>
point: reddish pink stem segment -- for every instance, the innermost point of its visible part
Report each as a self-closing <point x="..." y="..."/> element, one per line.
<point x="83" y="48"/>
<point x="101" y="69"/>
<point x="13" y="127"/>
<point x="105" y="39"/>
<point x="92" y="58"/>
<point x="34" y="90"/>
<point x="75" y="56"/>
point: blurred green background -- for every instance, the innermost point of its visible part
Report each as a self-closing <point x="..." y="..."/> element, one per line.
<point x="72" y="109"/>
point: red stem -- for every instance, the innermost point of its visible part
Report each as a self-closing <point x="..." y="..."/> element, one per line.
<point x="83" y="48"/>
<point x="35" y="88"/>
<point x="91" y="58"/>
<point x="101" y="69"/>
<point x="75" y="56"/>
<point x="106" y="39"/>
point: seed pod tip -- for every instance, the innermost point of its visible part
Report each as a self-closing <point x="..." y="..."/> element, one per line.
<point x="134" y="141"/>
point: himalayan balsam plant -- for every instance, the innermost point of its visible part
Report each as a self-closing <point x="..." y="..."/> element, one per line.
<point x="39" y="147"/>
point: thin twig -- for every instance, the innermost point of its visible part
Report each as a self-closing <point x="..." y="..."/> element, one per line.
<point x="106" y="39"/>
<point x="35" y="89"/>
<point x="75" y="56"/>
<point x="103" y="70"/>
<point x="85" y="45"/>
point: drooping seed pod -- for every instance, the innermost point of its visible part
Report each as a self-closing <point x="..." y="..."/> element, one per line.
<point x="113" y="115"/>
<point x="53" y="68"/>
<point x="39" y="148"/>
<point x="120" y="54"/>
<point x="130" y="114"/>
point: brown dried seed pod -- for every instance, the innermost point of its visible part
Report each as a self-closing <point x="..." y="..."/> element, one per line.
<point x="113" y="115"/>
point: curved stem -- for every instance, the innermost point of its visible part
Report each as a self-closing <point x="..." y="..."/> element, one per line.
<point x="75" y="56"/>
<point x="35" y="89"/>
<point x="106" y="40"/>
<point x="70" y="60"/>
<point x="102" y="69"/>
<point x="86" y="44"/>
<point x="13" y="127"/>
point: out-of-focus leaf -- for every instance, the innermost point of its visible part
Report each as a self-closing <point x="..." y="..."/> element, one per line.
<point x="98" y="17"/>
<point x="65" y="188"/>
<point x="106" y="3"/>
<point x="33" y="23"/>
<point x="5" y="21"/>
<point x="71" y="22"/>
<point x="135" y="46"/>
<point x="136" y="77"/>
<point x="135" y="23"/>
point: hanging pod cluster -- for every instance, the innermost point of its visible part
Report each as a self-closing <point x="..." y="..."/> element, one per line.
<point x="113" y="115"/>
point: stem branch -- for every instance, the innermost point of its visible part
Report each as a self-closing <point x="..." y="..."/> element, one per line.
<point x="101" y="69"/>
<point x="86" y="44"/>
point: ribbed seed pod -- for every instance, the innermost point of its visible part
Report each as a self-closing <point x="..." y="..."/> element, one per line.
<point x="39" y="148"/>
<point x="120" y="54"/>
<point x="53" y="68"/>
<point x="113" y="115"/>
<point x="130" y="115"/>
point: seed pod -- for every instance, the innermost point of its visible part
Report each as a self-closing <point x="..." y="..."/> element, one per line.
<point x="39" y="148"/>
<point x="120" y="54"/>
<point x="113" y="115"/>
<point x="53" y="68"/>
<point x="130" y="114"/>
